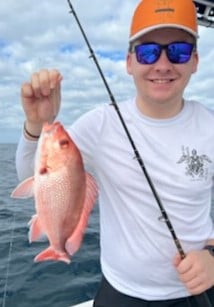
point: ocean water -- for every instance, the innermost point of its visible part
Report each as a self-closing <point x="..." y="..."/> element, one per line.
<point x="24" y="283"/>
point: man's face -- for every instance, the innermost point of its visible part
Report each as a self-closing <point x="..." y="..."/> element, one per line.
<point x="163" y="82"/>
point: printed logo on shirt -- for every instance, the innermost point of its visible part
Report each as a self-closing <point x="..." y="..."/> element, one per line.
<point x="196" y="163"/>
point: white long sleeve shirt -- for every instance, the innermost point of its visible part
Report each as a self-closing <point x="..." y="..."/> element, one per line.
<point x="137" y="249"/>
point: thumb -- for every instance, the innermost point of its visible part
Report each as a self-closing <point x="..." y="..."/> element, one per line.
<point x="177" y="260"/>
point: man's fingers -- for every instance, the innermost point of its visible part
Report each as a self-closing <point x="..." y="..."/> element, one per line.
<point x="40" y="83"/>
<point x="188" y="276"/>
<point x="26" y="90"/>
<point x="184" y="266"/>
<point x="55" y="78"/>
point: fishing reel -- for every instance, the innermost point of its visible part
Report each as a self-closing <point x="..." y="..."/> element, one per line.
<point x="205" y="12"/>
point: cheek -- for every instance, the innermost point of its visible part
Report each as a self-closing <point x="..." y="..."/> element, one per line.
<point x="132" y="66"/>
<point x="187" y="70"/>
<point x="185" y="76"/>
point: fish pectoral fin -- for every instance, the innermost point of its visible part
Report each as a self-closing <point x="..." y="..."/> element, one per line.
<point x="35" y="233"/>
<point x="51" y="254"/>
<point x="24" y="189"/>
<point x="73" y="243"/>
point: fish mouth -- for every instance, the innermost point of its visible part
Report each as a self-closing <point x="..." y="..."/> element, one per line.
<point x="49" y="128"/>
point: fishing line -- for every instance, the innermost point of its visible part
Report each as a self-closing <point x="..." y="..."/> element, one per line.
<point x="202" y="299"/>
<point x="8" y="261"/>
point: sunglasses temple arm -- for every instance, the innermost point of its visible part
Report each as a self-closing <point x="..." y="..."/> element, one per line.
<point x="202" y="299"/>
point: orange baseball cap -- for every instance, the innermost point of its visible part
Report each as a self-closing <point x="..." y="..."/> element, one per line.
<point x="155" y="14"/>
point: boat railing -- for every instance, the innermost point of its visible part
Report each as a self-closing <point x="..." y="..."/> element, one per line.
<point x="205" y="12"/>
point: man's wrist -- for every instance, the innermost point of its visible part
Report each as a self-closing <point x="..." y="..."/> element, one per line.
<point x="29" y="132"/>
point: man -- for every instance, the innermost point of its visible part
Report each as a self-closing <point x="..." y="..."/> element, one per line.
<point x="140" y="263"/>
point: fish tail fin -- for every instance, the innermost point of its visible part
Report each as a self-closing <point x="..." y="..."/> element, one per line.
<point x="51" y="254"/>
<point x="74" y="242"/>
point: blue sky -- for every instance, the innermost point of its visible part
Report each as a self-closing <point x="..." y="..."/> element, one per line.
<point x="35" y="35"/>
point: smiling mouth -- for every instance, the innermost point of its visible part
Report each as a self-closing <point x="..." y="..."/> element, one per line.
<point x="162" y="81"/>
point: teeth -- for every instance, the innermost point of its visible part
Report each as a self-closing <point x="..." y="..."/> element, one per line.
<point x="159" y="81"/>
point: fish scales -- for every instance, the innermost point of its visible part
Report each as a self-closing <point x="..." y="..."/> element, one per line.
<point x="64" y="194"/>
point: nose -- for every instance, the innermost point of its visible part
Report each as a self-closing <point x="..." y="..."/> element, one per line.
<point x="163" y="62"/>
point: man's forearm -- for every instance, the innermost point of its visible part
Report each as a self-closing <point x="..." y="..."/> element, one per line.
<point x="25" y="155"/>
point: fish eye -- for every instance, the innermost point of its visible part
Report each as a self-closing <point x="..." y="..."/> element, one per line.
<point x="64" y="143"/>
<point x="43" y="170"/>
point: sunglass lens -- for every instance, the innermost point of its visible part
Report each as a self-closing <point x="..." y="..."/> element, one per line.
<point x="179" y="53"/>
<point x="147" y="53"/>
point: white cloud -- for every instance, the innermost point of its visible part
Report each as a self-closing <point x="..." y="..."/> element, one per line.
<point x="41" y="34"/>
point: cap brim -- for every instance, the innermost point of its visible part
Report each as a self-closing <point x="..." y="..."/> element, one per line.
<point x="162" y="26"/>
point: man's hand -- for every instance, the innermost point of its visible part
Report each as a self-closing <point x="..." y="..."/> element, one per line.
<point x="196" y="271"/>
<point x="41" y="98"/>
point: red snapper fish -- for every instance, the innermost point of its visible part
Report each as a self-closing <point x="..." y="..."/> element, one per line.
<point x="64" y="194"/>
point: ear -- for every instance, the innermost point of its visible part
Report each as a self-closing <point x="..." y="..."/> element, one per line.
<point x="129" y="63"/>
<point x="195" y="62"/>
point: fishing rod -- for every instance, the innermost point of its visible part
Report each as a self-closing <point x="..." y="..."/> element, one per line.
<point x="202" y="299"/>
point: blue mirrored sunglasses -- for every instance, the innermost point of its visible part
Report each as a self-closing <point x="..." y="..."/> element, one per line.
<point x="177" y="52"/>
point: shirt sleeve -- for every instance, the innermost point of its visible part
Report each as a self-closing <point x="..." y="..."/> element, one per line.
<point x="211" y="237"/>
<point x="25" y="156"/>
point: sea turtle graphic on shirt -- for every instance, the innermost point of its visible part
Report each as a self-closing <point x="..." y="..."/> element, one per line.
<point x="194" y="163"/>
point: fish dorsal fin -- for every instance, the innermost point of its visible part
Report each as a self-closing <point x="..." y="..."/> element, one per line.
<point x="91" y="193"/>
<point x="25" y="189"/>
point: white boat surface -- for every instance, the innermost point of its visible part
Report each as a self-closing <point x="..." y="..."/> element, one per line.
<point x="85" y="304"/>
